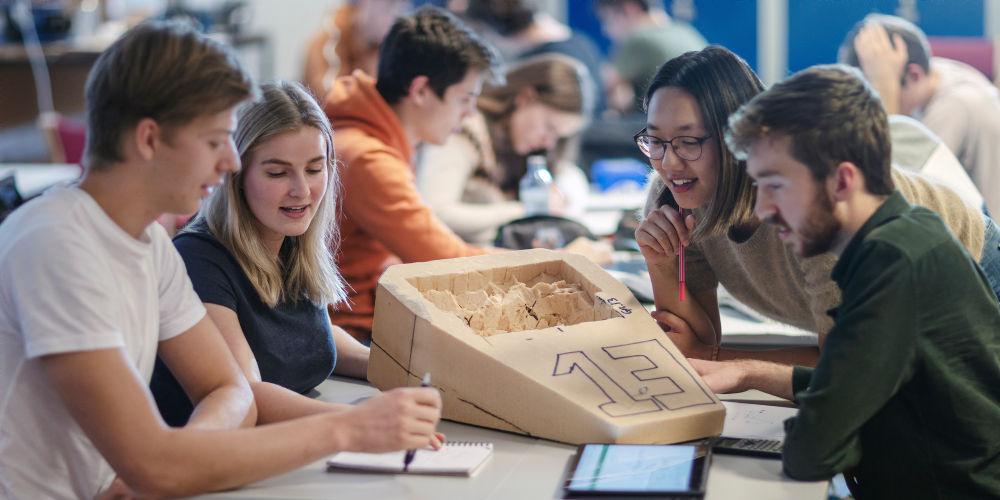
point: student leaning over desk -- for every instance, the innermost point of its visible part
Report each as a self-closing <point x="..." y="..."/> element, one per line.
<point x="431" y="70"/>
<point x="93" y="291"/>
<point x="471" y="180"/>
<point x="905" y="399"/>
<point x="725" y="242"/>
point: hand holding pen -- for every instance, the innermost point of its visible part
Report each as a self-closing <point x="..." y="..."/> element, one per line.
<point x="411" y="454"/>
<point x="663" y="234"/>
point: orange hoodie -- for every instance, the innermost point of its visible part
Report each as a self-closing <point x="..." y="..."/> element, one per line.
<point x="382" y="219"/>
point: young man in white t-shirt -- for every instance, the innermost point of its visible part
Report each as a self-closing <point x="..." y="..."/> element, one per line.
<point x="92" y="289"/>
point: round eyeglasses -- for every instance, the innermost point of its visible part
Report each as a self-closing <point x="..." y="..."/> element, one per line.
<point x="686" y="147"/>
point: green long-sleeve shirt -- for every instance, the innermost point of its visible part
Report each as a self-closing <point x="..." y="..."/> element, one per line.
<point x="907" y="390"/>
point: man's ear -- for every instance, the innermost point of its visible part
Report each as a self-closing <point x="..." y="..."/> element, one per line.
<point x="419" y="90"/>
<point x="913" y="73"/>
<point x="145" y="138"/>
<point x="845" y="181"/>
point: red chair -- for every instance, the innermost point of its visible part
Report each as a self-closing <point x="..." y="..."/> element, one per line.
<point x="974" y="51"/>
<point x="65" y="137"/>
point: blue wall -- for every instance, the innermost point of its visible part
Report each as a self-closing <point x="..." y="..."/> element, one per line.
<point x="732" y="23"/>
<point x="815" y="28"/>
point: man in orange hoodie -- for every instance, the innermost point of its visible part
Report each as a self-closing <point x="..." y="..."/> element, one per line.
<point x="431" y="69"/>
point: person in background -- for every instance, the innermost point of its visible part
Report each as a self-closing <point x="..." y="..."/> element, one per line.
<point x="93" y="291"/>
<point x="917" y="149"/>
<point x="520" y="30"/>
<point x="953" y="99"/>
<point x="724" y="242"/>
<point x="905" y="399"/>
<point x="259" y="255"/>
<point x="416" y="99"/>
<point x="471" y="181"/>
<point x="644" y="37"/>
<point x="348" y="40"/>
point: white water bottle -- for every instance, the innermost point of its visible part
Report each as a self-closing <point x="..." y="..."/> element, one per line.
<point x="535" y="187"/>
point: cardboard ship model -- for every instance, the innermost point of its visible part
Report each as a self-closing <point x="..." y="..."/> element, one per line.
<point x="539" y="343"/>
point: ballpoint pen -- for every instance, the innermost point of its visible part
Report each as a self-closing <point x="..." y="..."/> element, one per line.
<point x="408" y="458"/>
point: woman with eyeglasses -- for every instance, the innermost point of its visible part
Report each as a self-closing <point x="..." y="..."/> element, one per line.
<point x="688" y="104"/>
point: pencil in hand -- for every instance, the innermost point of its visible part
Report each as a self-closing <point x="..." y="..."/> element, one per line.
<point x="680" y="264"/>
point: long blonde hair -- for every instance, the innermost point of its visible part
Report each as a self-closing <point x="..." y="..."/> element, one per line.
<point x="308" y="269"/>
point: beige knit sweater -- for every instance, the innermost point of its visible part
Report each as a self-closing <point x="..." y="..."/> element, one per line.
<point x="766" y="275"/>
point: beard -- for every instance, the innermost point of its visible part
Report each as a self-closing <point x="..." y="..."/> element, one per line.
<point x="820" y="230"/>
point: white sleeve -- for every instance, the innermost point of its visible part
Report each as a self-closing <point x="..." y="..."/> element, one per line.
<point x="443" y="173"/>
<point x="180" y="307"/>
<point x="60" y="299"/>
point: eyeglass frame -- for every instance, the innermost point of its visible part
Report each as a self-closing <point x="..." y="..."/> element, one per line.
<point x="700" y="140"/>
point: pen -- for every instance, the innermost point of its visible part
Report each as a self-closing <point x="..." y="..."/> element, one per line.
<point x="408" y="458"/>
<point x="680" y="266"/>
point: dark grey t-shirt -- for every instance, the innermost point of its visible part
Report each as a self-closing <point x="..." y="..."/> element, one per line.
<point x="292" y="341"/>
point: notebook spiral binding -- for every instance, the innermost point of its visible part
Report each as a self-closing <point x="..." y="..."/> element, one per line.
<point x="486" y="444"/>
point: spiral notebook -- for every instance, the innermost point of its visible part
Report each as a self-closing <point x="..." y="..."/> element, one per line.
<point x="459" y="458"/>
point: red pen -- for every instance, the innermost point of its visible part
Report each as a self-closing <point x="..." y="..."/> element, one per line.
<point x="680" y="264"/>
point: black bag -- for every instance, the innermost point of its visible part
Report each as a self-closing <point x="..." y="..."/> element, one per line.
<point x="540" y="231"/>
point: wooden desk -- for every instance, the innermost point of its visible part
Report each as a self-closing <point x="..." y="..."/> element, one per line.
<point x="521" y="468"/>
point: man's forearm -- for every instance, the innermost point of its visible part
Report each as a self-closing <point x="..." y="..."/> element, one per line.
<point x="803" y="356"/>
<point x="227" y="407"/>
<point x="772" y="378"/>
<point x="277" y="404"/>
<point x="889" y="95"/>
<point x="352" y="356"/>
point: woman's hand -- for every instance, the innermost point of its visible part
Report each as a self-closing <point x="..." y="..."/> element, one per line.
<point x="682" y="335"/>
<point x="663" y="233"/>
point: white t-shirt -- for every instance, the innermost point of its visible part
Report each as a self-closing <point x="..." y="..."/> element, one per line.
<point x="73" y="280"/>
<point x="917" y="149"/>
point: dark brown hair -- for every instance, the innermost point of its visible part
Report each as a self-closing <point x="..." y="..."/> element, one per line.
<point x="431" y="43"/>
<point x="720" y="82"/>
<point x="831" y="114"/>
<point x="164" y="71"/>
<point x="506" y="17"/>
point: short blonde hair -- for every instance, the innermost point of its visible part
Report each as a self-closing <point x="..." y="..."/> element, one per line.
<point x="308" y="270"/>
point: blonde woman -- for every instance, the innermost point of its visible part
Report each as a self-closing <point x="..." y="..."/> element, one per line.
<point x="259" y="257"/>
<point x="471" y="180"/>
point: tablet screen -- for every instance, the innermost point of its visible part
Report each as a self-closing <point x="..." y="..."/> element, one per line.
<point x="640" y="469"/>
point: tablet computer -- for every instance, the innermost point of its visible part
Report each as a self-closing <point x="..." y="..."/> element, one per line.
<point x="639" y="469"/>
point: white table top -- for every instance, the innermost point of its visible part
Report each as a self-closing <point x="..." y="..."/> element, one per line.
<point x="521" y="468"/>
<point x="31" y="179"/>
<point x="604" y="210"/>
